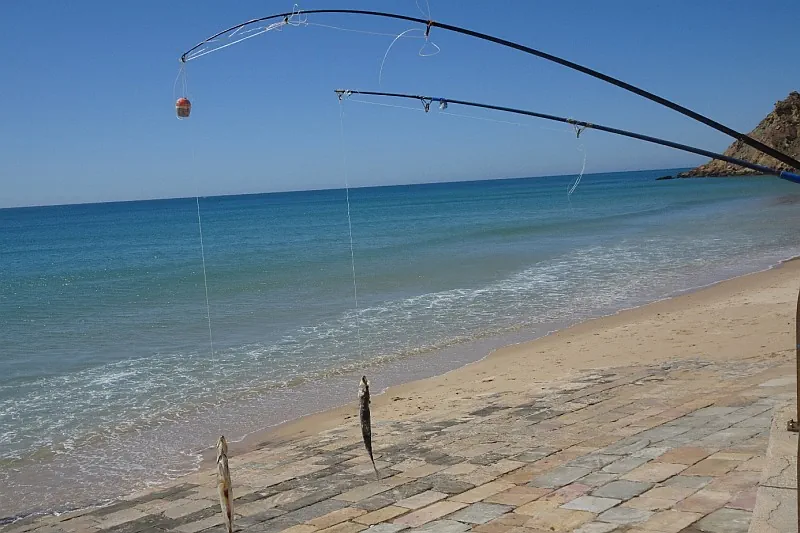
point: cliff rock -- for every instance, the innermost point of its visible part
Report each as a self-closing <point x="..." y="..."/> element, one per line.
<point x="780" y="130"/>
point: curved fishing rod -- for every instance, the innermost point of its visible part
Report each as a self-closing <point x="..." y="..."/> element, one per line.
<point x="427" y="100"/>
<point x="746" y="139"/>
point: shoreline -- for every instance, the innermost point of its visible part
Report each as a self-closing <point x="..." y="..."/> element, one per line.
<point x="330" y="417"/>
<point x="470" y="384"/>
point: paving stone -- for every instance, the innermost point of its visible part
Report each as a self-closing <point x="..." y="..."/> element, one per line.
<point x="422" y="471"/>
<point x="670" y="492"/>
<point x="651" y="452"/>
<point x="704" y="501"/>
<point x="731" y="456"/>
<point x="689" y="482"/>
<point x="484" y="491"/>
<point x="429" y="513"/>
<point x="535" y="454"/>
<point x="487" y="458"/>
<point x="594" y="461"/>
<point x="376" y="502"/>
<point x="671" y="521"/>
<point x="535" y="507"/>
<point x="480" y="513"/>
<point x="381" y="515"/>
<point x="441" y="526"/>
<point x="714" y="412"/>
<point x="654" y="472"/>
<point x="649" y="504"/>
<point x="622" y="489"/>
<point x="725" y="521"/>
<point x="272" y="526"/>
<point x="625" y="516"/>
<point x="408" y="489"/>
<point x="371" y="489"/>
<point x="387" y="528"/>
<point x="344" y="527"/>
<point x="502" y="524"/>
<point x="685" y="456"/>
<point x="320" y="497"/>
<point x="625" y="465"/>
<point x="711" y="467"/>
<point x="745" y="500"/>
<point x="661" y="433"/>
<point x="310" y="512"/>
<point x="558" y="477"/>
<point x="558" y="520"/>
<point x="517" y="495"/>
<point x="422" y="499"/>
<point x="567" y="493"/>
<point x="460" y="469"/>
<point x="596" y="527"/>
<point x="627" y="446"/>
<point x="447" y="484"/>
<point x="336" y="517"/>
<point x="597" y="479"/>
<point x="592" y="504"/>
<point x="191" y="527"/>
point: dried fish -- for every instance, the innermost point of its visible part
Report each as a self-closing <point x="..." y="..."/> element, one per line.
<point x="224" y="485"/>
<point x="364" y="416"/>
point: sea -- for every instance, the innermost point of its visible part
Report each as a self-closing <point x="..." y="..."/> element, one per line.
<point x="121" y="362"/>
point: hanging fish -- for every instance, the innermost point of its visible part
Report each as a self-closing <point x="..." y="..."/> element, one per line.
<point x="224" y="485"/>
<point x="363" y="415"/>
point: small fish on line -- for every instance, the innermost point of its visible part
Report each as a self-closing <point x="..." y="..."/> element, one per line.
<point x="224" y="486"/>
<point x="366" y="429"/>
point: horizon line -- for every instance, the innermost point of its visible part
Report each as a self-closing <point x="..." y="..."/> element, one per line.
<point x="292" y="191"/>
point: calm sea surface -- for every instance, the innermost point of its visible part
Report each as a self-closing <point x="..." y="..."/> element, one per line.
<point x="107" y="380"/>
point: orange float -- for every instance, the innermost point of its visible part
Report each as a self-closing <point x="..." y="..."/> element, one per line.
<point x="183" y="107"/>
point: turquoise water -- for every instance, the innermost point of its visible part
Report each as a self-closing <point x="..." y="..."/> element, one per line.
<point x="107" y="380"/>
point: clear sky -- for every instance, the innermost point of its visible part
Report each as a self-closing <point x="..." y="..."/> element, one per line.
<point x="87" y="108"/>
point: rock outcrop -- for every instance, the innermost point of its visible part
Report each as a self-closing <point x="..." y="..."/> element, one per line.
<point x="780" y="130"/>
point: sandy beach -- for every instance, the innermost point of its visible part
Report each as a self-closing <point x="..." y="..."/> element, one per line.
<point x="632" y="387"/>
<point x="743" y="318"/>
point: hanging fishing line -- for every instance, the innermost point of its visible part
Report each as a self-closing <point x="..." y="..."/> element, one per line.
<point x="205" y="276"/>
<point x="443" y="105"/>
<point x="350" y="224"/>
<point x="182" y="80"/>
<point x="422" y="51"/>
<point x="578" y="130"/>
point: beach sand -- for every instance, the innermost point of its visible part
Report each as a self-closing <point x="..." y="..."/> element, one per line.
<point x="743" y="318"/>
<point x="676" y="395"/>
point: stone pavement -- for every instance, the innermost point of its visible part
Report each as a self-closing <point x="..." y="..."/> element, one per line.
<point x="669" y="448"/>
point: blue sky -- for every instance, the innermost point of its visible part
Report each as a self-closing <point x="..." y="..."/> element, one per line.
<point x="87" y="107"/>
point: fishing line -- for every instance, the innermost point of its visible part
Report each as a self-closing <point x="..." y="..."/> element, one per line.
<point x="426" y="35"/>
<point x="350" y="227"/>
<point x="580" y="176"/>
<point x="205" y="276"/>
<point x="182" y="75"/>
<point x="459" y="115"/>
<point x="380" y="72"/>
<point x="365" y="32"/>
<point x="424" y="14"/>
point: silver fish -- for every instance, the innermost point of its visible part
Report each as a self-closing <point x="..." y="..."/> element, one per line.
<point x="366" y="429"/>
<point x="224" y="485"/>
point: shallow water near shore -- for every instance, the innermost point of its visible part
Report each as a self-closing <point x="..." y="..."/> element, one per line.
<point x="107" y="382"/>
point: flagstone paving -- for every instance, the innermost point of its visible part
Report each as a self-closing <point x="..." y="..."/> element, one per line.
<point x="670" y="448"/>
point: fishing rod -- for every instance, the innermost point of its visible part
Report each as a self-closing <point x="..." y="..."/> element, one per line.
<point x="580" y="126"/>
<point x="196" y="52"/>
